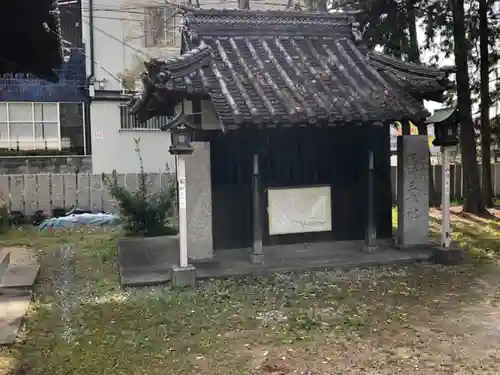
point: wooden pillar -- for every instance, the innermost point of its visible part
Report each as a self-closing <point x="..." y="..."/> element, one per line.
<point x="243" y="4"/>
<point x="371" y="228"/>
<point x="405" y="124"/>
<point x="257" y="255"/>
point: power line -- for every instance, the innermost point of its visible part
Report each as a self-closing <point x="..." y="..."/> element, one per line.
<point x="114" y="38"/>
<point x="140" y="9"/>
<point x="84" y="54"/>
<point x="121" y="41"/>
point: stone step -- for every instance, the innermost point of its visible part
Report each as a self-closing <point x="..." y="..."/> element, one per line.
<point x="19" y="276"/>
<point x="18" y="272"/>
<point x="4" y="263"/>
<point x="12" y="311"/>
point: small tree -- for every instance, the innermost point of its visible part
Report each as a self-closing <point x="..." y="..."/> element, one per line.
<point x="144" y="213"/>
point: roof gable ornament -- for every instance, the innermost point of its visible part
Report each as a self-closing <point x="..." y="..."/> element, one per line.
<point x="160" y="74"/>
<point x="356" y="31"/>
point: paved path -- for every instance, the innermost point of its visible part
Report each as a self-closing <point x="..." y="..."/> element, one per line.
<point x="17" y="277"/>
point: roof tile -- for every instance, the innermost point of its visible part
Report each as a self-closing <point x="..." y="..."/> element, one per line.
<point x="295" y="68"/>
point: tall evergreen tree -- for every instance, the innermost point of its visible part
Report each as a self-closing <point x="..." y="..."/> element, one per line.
<point x="414" y="56"/>
<point x="472" y="190"/>
<point x="485" y="103"/>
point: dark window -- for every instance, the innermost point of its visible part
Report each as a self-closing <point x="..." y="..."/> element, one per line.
<point x="128" y="121"/>
<point x="72" y="131"/>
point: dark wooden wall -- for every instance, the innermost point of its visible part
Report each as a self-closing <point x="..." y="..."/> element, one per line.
<point x="299" y="157"/>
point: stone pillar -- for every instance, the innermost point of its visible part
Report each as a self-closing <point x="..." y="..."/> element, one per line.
<point x="199" y="202"/>
<point x="257" y="255"/>
<point x="413" y="191"/>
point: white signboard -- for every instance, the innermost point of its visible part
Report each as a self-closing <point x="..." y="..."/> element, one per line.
<point x="299" y="210"/>
<point x="98" y="135"/>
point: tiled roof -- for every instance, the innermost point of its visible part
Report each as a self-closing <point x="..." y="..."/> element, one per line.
<point x="441" y="115"/>
<point x="175" y="76"/>
<point x="285" y="68"/>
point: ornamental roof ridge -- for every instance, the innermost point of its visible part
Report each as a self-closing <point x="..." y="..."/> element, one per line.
<point x="199" y="16"/>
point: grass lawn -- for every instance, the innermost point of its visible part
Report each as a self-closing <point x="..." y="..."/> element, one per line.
<point x="421" y="319"/>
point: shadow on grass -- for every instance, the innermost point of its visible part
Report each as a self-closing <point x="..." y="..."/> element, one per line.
<point x="479" y="235"/>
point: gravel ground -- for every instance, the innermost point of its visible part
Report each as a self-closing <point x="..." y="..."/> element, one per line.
<point x="65" y="293"/>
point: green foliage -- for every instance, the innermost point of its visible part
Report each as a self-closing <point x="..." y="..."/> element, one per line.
<point x="145" y="213"/>
<point x="129" y="76"/>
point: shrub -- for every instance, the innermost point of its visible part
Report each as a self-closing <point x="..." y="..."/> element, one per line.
<point x="144" y="213"/>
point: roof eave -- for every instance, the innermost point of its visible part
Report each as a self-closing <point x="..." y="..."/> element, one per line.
<point x="158" y="89"/>
<point x="441" y="115"/>
<point x="425" y="82"/>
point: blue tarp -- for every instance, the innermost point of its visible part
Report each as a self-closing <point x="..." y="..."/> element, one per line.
<point x="72" y="221"/>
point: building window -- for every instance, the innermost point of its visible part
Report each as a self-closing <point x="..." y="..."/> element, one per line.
<point x="31" y="126"/>
<point x="160" y="26"/>
<point x="128" y="121"/>
<point x="72" y="128"/>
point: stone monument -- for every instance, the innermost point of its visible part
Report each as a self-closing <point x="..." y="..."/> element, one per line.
<point x="413" y="191"/>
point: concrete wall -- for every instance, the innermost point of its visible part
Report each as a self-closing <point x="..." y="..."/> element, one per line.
<point x="119" y="45"/>
<point x="114" y="148"/>
<point x="45" y="164"/>
<point x="119" y="39"/>
<point x="29" y="193"/>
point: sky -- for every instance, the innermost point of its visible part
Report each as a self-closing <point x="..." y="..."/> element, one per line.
<point x="425" y="57"/>
<point x="444" y="61"/>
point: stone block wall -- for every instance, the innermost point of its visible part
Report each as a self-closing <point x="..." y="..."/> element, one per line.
<point x="45" y="164"/>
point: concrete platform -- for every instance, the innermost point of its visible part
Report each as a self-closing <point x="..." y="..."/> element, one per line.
<point x="16" y="281"/>
<point x="20" y="276"/>
<point x="13" y="308"/>
<point x="157" y="257"/>
<point x="22" y="270"/>
<point x="4" y="263"/>
<point x="147" y="261"/>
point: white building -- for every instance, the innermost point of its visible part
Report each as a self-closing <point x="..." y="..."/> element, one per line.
<point x="119" y="35"/>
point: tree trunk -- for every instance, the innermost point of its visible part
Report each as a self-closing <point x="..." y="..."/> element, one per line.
<point x="414" y="56"/>
<point x="472" y="194"/>
<point x="485" y="104"/>
<point x="414" y="51"/>
<point x="243" y="4"/>
<point x="433" y="196"/>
